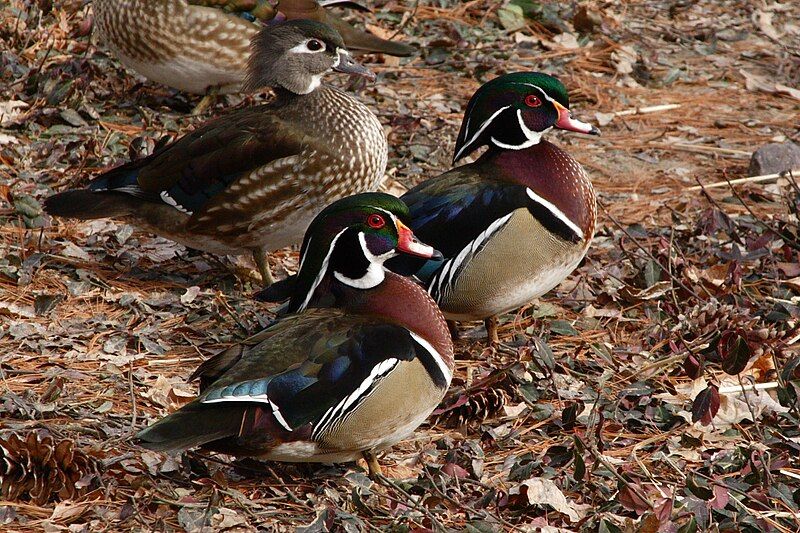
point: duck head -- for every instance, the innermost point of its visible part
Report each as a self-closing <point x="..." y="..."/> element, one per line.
<point x="350" y="240"/>
<point x="295" y="54"/>
<point x="512" y="112"/>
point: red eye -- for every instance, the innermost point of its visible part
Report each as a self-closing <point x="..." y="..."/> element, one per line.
<point x="376" y="221"/>
<point x="533" y="101"/>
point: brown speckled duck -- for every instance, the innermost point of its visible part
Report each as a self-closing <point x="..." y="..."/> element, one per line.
<point x="362" y="362"/>
<point x="252" y="179"/>
<point x="198" y="45"/>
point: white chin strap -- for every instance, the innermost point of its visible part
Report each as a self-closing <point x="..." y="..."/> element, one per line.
<point x="531" y="137"/>
<point x="375" y="272"/>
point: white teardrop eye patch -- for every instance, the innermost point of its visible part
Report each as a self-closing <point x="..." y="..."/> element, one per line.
<point x="310" y="46"/>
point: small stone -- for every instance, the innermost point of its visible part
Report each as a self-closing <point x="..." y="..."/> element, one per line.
<point x="774" y="158"/>
<point x="586" y="21"/>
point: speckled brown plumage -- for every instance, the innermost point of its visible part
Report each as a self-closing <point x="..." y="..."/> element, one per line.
<point x="252" y="179"/>
<point x="194" y="47"/>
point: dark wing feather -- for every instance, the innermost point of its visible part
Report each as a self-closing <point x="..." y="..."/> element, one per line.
<point x="450" y="211"/>
<point x="205" y="162"/>
<point x="280" y="291"/>
<point x="313" y="361"/>
<point x="213" y="368"/>
<point x="199" y="166"/>
<point x="305" y="365"/>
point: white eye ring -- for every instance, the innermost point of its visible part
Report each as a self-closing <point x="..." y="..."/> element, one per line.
<point x="309" y="46"/>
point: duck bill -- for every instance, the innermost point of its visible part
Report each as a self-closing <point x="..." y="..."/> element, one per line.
<point x="347" y="65"/>
<point x="407" y="243"/>
<point x="566" y="122"/>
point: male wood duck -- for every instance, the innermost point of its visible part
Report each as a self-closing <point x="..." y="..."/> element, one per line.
<point x="200" y="45"/>
<point x="252" y="179"/>
<point x="332" y="383"/>
<point x="516" y="222"/>
<point x="513" y="224"/>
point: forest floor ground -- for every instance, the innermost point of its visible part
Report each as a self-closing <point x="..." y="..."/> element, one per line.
<point x="618" y="404"/>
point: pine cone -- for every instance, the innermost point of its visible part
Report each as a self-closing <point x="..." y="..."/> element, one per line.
<point x="469" y="407"/>
<point x="35" y="468"/>
<point x="768" y="338"/>
<point x="703" y="324"/>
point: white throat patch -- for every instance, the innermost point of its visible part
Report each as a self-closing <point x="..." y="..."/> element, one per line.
<point x="375" y="273"/>
<point x="532" y="137"/>
<point x="316" y="81"/>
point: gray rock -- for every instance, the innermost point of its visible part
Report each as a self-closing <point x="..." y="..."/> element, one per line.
<point x="774" y="158"/>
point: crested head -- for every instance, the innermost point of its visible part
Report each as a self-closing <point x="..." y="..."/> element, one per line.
<point x="350" y="240"/>
<point x="295" y="54"/>
<point x="513" y="111"/>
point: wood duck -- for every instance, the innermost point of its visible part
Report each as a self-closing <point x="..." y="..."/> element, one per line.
<point x="252" y="179"/>
<point x="200" y="45"/>
<point x="513" y="224"/>
<point x="516" y="222"/>
<point x="364" y="360"/>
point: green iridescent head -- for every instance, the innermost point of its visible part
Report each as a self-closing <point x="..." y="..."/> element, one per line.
<point x="350" y="240"/>
<point x="512" y="112"/>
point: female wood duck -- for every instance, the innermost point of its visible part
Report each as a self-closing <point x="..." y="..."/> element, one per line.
<point x="516" y="222"/>
<point x="198" y="45"/>
<point x="252" y="179"/>
<point x="333" y="383"/>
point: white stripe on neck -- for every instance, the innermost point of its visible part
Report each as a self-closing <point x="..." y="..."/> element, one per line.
<point x="322" y="270"/>
<point x="482" y="128"/>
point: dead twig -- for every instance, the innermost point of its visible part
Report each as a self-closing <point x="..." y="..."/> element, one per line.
<point x="751" y="179"/>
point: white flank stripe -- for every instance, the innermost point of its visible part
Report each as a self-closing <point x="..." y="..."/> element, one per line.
<point x="171" y="201"/>
<point x="462" y="255"/>
<point x="481" y="130"/>
<point x="378" y="371"/>
<point x="446" y="372"/>
<point x="260" y="398"/>
<point x="556" y="212"/>
<point x="450" y="270"/>
<point x="442" y="276"/>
